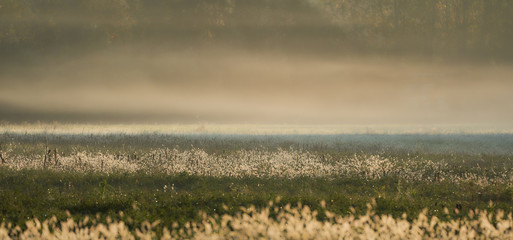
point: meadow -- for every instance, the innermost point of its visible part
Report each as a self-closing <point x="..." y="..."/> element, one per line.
<point x="86" y="181"/>
<point x="240" y="119"/>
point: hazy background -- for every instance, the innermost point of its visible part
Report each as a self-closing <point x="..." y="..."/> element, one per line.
<point x="246" y="61"/>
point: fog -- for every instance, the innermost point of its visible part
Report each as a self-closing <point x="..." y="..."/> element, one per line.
<point x="298" y="62"/>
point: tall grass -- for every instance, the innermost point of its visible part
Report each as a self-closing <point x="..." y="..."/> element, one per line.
<point x="287" y="163"/>
<point x="279" y="223"/>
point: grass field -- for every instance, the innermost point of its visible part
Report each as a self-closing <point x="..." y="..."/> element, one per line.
<point x="204" y="183"/>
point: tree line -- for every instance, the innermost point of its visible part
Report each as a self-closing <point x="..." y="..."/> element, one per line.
<point x="462" y="28"/>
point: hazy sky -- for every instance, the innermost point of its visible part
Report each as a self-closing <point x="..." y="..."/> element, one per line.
<point x="264" y="83"/>
<point x="243" y="87"/>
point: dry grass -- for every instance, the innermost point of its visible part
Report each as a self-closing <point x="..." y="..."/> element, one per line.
<point x="280" y="223"/>
<point x="288" y="163"/>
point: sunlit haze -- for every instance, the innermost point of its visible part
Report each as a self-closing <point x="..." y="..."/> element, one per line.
<point x="283" y="62"/>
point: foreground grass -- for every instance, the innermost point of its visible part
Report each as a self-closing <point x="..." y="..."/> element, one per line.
<point x="286" y="222"/>
<point x="40" y="194"/>
<point x="126" y="181"/>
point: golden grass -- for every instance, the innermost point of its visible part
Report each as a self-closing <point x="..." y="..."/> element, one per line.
<point x="290" y="223"/>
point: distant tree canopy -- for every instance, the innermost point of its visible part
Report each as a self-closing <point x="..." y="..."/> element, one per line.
<point x="459" y="28"/>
